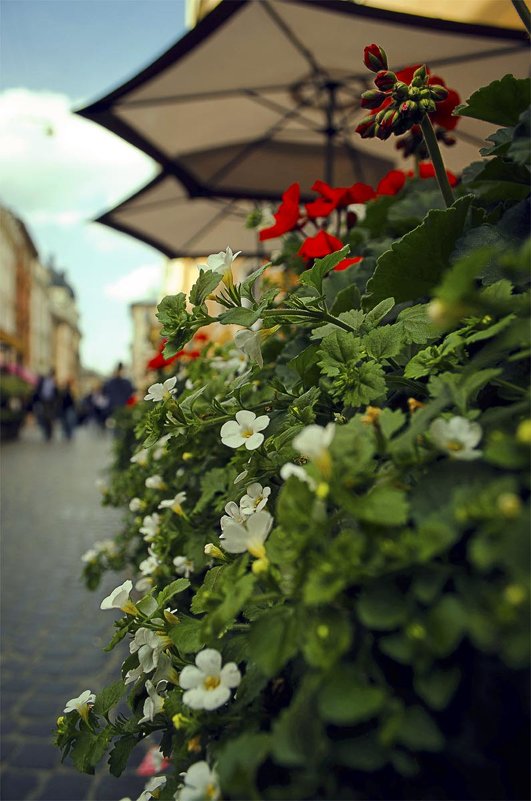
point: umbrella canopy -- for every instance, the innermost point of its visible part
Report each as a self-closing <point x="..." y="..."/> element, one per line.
<point x="260" y="94"/>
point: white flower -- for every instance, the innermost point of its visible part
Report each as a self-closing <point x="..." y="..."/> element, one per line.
<point x="159" y="449"/>
<point x="155" y="783"/>
<point x="148" y="645"/>
<point x="313" y="443"/>
<point x="237" y="538"/>
<point x="149" y="565"/>
<point x="175" y="504"/>
<point x="221" y="263"/>
<point x="133" y="675"/>
<point x="255" y="500"/>
<point x="159" y="392"/>
<point x="90" y="556"/>
<point x="208" y="685"/>
<point x="234" y="513"/>
<point x="135" y="504"/>
<point x="183" y="566"/>
<point x="234" y="362"/>
<point x="150" y="527"/>
<point x="457" y="436"/>
<point x="140" y="457"/>
<point x="200" y="784"/>
<point x="155" y="482"/>
<point x="80" y="704"/>
<point x="153" y="703"/>
<point x="144" y="584"/>
<point x="248" y="342"/>
<point x="290" y="469"/>
<point x="244" y="430"/>
<point x="119" y="599"/>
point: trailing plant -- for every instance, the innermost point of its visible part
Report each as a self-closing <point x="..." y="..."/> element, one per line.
<point x="327" y="518"/>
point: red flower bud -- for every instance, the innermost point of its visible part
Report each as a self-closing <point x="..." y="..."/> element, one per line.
<point x="372" y="99"/>
<point x="374" y="58"/>
<point x="385" y="80"/>
<point x="366" y="127"/>
<point x="438" y="92"/>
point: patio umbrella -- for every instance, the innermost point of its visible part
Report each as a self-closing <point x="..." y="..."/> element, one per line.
<point x="268" y="93"/>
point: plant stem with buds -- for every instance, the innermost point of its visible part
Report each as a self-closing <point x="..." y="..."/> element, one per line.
<point x="436" y="158"/>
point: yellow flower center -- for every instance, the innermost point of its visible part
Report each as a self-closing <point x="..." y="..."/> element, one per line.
<point x="211" y="682"/>
<point x="247" y="432"/>
<point x="454" y="445"/>
<point x="257" y="550"/>
<point x="177" y="508"/>
<point x="211" y="791"/>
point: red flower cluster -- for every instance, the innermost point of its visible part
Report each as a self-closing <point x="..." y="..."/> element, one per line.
<point x="394" y="181"/>
<point x="337" y="197"/>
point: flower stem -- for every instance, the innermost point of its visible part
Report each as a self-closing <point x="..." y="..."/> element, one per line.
<point x="435" y="155"/>
<point x="523" y="12"/>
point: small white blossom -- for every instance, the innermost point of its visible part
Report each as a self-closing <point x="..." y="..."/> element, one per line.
<point x="201" y="783"/>
<point x="90" y="556"/>
<point x="221" y="263"/>
<point x="80" y="704"/>
<point x="150" y="527"/>
<point x="155" y="783"/>
<point x="234" y="513"/>
<point x="159" y="392"/>
<point x="183" y="566"/>
<point x="255" y="499"/>
<point x="175" y="504"/>
<point x="208" y="685"/>
<point x="140" y="457"/>
<point x="153" y="704"/>
<point x="235" y="362"/>
<point x="149" y="565"/>
<point x="148" y="645"/>
<point x="135" y="504"/>
<point x="237" y="538"/>
<point x="314" y="440"/>
<point x="159" y="449"/>
<point x="244" y="430"/>
<point x="248" y="342"/>
<point x="119" y="598"/>
<point x="458" y="437"/>
<point x="133" y="675"/>
<point x="144" y="584"/>
<point x="290" y="469"/>
<point x="155" y="482"/>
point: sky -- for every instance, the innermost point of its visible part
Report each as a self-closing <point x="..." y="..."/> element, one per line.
<point x="58" y="171"/>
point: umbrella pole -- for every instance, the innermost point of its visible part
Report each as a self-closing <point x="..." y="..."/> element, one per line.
<point x="330" y="131"/>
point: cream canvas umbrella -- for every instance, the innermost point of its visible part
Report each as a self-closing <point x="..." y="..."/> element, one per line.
<point x="262" y="93"/>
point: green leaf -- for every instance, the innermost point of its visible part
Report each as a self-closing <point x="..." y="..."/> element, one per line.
<point x="346" y="299"/>
<point x="240" y="316"/>
<point x="501" y="102"/>
<point x="273" y="639"/>
<point x="327" y="634"/>
<point x="520" y="148"/>
<point x="438" y="686"/>
<point x="382" y="606"/>
<point x="108" y="697"/>
<point x="382" y="505"/>
<point x="417" y="327"/>
<point x="338" y="349"/>
<point x="314" y="276"/>
<point x="187" y="635"/>
<point x="213" y="482"/>
<point x="383" y="342"/>
<point x="415" y="264"/>
<point x="237" y="593"/>
<point x="80" y="753"/>
<point x="298" y="731"/>
<point x="238" y="761"/>
<point x="346" y="700"/>
<point x="500" y="180"/>
<point x="202" y="598"/>
<point x="120" y="754"/>
<point x="446" y="625"/>
<point x="364" y="752"/>
<point x="305" y="364"/>
<point x="206" y="282"/>
<point x="172" y="589"/>
<point x="391" y="421"/>
<point x="419" y="732"/>
<point x="246" y="287"/>
<point x="376" y="315"/>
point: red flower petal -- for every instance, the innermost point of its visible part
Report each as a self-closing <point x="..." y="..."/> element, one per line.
<point x="287" y="215"/>
<point x="315" y="247"/>
<point x="391" y="183"/>
<point x="347" y="262"/>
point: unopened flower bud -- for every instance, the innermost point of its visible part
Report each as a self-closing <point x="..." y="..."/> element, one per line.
<point x="385" y="80"/>
<point x="428" y="106"/>
<point x="419" y="76"/>
<point x="372" y="98"/>
<point x="387" y="124"/>
<point x="170" y="618"/>
<point x="374" y="58"/>
<point x="366" y="128"/>
<point x="409" y="107"/>
<point x="400" y="90"/>
<point x="438" y="92"/>
<point x="213" y="550"/>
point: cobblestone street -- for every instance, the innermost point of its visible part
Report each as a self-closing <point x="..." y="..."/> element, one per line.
<point x="52" y="628"/>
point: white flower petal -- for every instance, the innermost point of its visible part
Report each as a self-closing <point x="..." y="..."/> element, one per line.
<point x="230" y="675"/>
<point x="209" y="661"/>
<point x="190" y="677"/>
<point x="216" y="698"/>
<point x="245" y="418"/>
<point x="261" y="422"/>
<point x="194" y="698"/>
<point x="254" y="441"/>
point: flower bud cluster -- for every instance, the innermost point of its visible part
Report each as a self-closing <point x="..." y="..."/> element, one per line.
<point x="400" y="105"/>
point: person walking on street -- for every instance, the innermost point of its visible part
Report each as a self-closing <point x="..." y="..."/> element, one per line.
<point x="118" y="389"/>
<point x="45" y="403"/>
<point x="67" y="410"/>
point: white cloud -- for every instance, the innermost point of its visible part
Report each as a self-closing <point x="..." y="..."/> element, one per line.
<point x="58" y="167"/>
<point x="143" y="283"/>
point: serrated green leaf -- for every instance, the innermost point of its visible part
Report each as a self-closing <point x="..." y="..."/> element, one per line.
<point x="305" y="364"/>
<point x="179" y="585"/>
<point x="206" y="282"/>
<point x="298" y="731"/>
<point x="273" y="640"/>
<point x="501" y="102"/>
<point x="501" y="180"/>
<point x="187" y="635"/>
<point x="346" y="299"/>
<point x="337" y="350"/>
<point x="200" y="602"/>
<point x="314" y="276"/>
<point x="376" y="314"/>
<point x="246" y="287"/>
<point x="108" y="697"/>
<point x="383" y="342"/>
<point x="80" y="753"/>
<point x="240" y="316"/>
<point x="417" y="327"/>
<point x="415" y="264"/>
<point x="353" y="318"/>
<point x="120" y="754"/>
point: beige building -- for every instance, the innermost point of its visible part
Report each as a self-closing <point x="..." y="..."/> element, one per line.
<point x="146" y="336"/>
<point x="66" y="335"/>
<point x="17" y="257"/>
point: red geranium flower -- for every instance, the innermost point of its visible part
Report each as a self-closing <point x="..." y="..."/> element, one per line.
<point x="323" y="243"/>
<point x="287" y="215"/>
<point x="427" y="170"/>
<point x="337" y="197"/>
<point x="443" y="114"/>
<point x="132" y="400"/>
<point x="391" y="183"/>
<point x="158" y="362"/>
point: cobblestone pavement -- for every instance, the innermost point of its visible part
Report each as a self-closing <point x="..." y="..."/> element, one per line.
<point x="52" y="627"/>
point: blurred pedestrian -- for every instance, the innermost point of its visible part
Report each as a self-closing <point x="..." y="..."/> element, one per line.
<point x="118" y="389"/>
<point x="67" y="410"/>
<point x="45" y="403"/>
<point x="99" y="406"/>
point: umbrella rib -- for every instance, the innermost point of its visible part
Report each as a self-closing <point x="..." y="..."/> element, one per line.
<point x="224" y="212"/>
<point x="271" y="104"/>
<point x="292" y="38"/>
<point x="185" y="98"/>
<point x="465" y="57"/>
